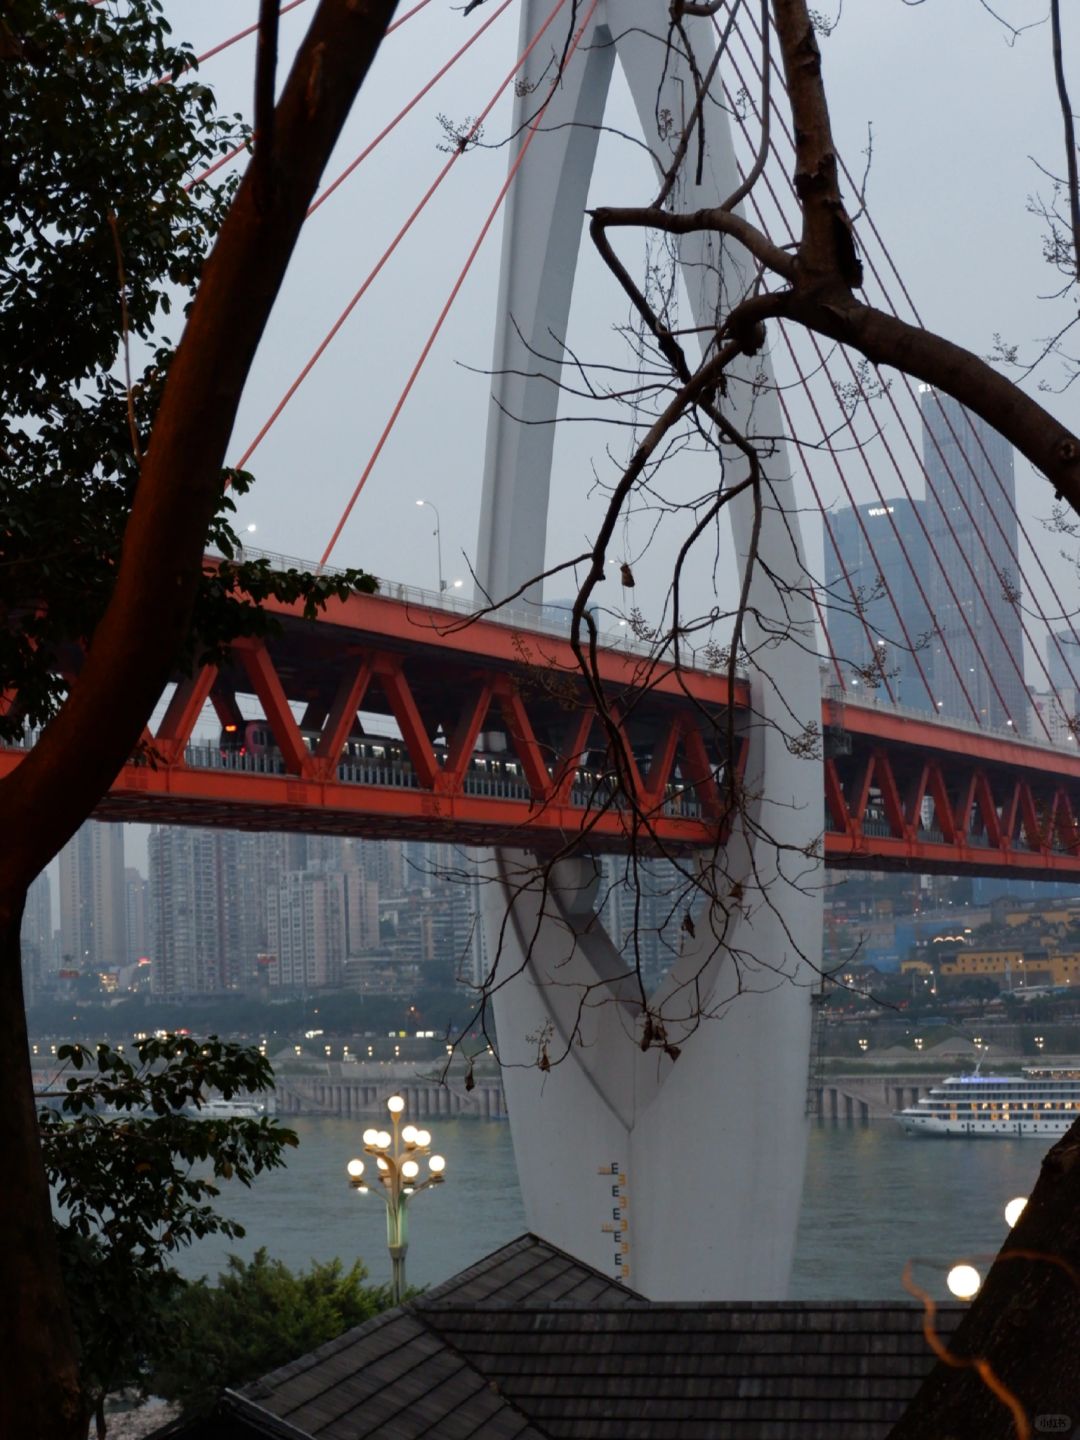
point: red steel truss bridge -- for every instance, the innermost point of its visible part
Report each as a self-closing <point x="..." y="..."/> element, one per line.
<point x="396" y="717"/>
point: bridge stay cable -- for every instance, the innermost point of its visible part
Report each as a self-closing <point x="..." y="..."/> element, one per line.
<point x="992" y="510"/>
<point x="857" y="382"/>
<point x="204" y="175"/>
<point x="822" y="361"/>
<point x="327" y="339"/>
<point x="456" y="289"/>
<point x="1063" y="610"/>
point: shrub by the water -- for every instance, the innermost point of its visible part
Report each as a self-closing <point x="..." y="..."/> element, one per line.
<point x="258" y="1316"/>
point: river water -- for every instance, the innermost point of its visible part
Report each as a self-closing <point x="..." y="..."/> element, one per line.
<point x="874" y="1198"/>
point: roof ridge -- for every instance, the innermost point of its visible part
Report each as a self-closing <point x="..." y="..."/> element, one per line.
<point x="527" y="1240"/>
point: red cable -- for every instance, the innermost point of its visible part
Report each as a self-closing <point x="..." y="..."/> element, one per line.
<point x="239" y="149"/>
<point x="325" y="195"/>
<point x="454" y="158"/>
<point x="857" y="609"/>
<point x="856" y="509"/>
<point x="240" y="35"/>
<point x="205" y="174"/>
<point x="407" y="16"/>
<point x="532" y="130"/>
<point x="217" y="49"/>
<point x="1013" y="554"/>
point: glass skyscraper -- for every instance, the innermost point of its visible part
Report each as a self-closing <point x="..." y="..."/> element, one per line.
<point x="974" y="583"/>
<point x="947" y="564"/>
<point x="873" y="554"/>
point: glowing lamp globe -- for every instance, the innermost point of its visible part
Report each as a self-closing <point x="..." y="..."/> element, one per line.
<point x="395" y="1104"/>
<point x="371" y="1137"/>
<point x="963" y="1281"/>
<point x="1014" y="1209"/>
<point x="410" y="1169"/>
<point x="409" y="1134"/>
<point x="436" y="1164"/>
<point x="423" y="1137"/>
<point x="355" y="1169"/>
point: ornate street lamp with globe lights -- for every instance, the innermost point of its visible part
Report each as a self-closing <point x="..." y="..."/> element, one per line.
<point x="397" y="1165"/>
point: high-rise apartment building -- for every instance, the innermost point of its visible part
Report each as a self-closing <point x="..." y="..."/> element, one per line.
<point x="974" y="581"/>
<point x="93" y="903"/>
<point x="187" y="912"/>
<point x="876" y="558"/>
<point x="209" y="912"/>
<point x="36" y="936"/>
<point x="253" y="866"/>
<point x="316" y="920"/>
<point x="137" y="893"/>
<point x="384" y="862"/>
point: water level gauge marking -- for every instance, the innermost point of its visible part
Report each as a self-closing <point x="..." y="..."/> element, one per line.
<point x="617" y="1217"/>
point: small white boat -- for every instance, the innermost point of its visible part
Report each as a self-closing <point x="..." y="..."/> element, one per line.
<point x="1040" y="1102"/>
<point x="238" y="1108"/>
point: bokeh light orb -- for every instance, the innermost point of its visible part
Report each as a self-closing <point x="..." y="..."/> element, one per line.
<point x="963" y="1281"/>
<point x="1014" y="1209"/>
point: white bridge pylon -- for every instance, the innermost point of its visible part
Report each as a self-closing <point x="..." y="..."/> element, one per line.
<point x="682" y="1178"/>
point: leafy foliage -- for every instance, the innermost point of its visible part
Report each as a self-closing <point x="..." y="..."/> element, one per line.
<point x="104" y="227"/>
<point x="134" y="1176"/>
<point x="259" y="1316"/>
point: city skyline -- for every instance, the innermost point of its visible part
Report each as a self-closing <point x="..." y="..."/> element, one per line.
<point x="225" y="911"/>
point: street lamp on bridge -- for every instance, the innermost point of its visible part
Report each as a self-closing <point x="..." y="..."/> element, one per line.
<point x="438" y="541"/>
<point x="397" y="1161"/>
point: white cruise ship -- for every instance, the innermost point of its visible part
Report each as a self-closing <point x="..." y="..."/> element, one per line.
<point x="1039" y="1102"/>
<point x="239" y="1108"/>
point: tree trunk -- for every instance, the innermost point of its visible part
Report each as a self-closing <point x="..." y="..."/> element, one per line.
<point x="35" y="1327"/>
<point x="1024" y="1323"/>
<point x="133" y="652"/>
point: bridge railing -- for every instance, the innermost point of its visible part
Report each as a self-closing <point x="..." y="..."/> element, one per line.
<point x="831" y="691"/>
<point x="624" y="638"/>
<point x="589" y="791"/>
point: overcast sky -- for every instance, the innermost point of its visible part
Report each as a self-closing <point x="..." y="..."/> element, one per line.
<point x="958" y="114"/>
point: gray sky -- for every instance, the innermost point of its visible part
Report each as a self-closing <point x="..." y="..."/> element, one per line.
<point x="957" y="114"/>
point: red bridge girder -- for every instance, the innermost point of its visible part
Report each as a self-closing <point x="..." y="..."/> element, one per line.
<point x="501" y="741"/>
<point x="501" y="744"/>
<point x="903" y="793"/>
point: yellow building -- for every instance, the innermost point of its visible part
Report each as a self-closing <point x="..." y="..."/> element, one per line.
<point x="1014" y="967"/>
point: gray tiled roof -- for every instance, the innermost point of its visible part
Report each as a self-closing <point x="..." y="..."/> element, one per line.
<point x="679" y="1372"/>
<point x="531" y="1344"/>
<point x="397" y="1377"/>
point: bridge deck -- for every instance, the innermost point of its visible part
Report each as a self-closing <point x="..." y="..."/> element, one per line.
<point x="498" y="740"/>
